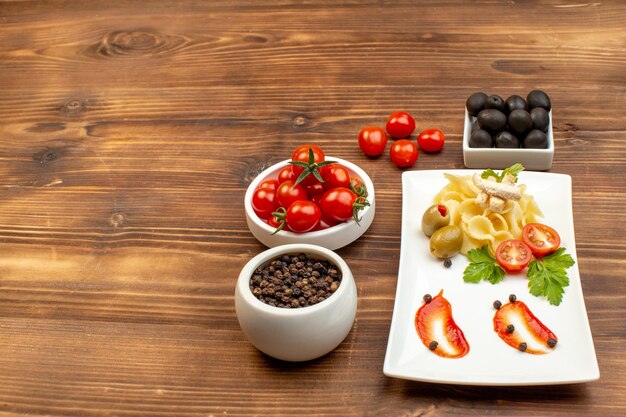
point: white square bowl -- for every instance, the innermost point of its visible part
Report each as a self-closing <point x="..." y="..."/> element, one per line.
<point x="500" y="158"/>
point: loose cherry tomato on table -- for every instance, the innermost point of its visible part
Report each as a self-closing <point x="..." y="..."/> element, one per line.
<point x="431" y="140"/>
<point x="288" y="192"/>
<point x="302" y="216"/>
<point x="264" y="202"/>
<point x="513" y="255"/>
<point x="400" y="125"/>
<point x="286" y="174"/>
<point x="403" y="153"/>
<point x="372" y="140"/>
<point x="541" y="239"/>
<point x="335" y="175"/>
<point x="307" y="158"/>
<point x="272" y="184"/>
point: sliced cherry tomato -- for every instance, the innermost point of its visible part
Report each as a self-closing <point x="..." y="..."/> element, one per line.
<point x="541" y="239"/>
<point x="314" y="189"/>
<point x="272" y="184"/>
<point x="302" y="216"/>
<point x="286" y="174"/>
<point x="513" y="255"/>
<point x="335" y="175"/>
<point x="372" y="140"/>
<point x="287" y="193"/>
<point x="400" y="125"/>
<point x="337" y="204"/>
<point x="403" y="153"/>
<point x="301" y="154"/>
<point x="264" y="202"/>
<point x="431" y="140"/>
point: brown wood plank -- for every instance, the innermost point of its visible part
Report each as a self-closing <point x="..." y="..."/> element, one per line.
<point x="129" y="131"/>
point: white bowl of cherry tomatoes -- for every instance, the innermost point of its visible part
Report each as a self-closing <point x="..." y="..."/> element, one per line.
<point x="310" y="198"/>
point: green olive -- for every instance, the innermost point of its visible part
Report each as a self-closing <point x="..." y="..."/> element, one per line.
<point x="446" y="242"/>
<point x="435" y="217"/>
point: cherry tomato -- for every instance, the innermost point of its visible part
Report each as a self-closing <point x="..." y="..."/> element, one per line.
<point x="431" y="140"/>
<point x="325" y="223"/>
<point x="541" y="239"/>
<point x="302" y="216"/>
<point x="275" y="223"/>
<point x="400" y="125"/>
<point x="372" y="140"/>
<point x="287" y="193"/>
<point x="264" y="202"/>
<point x="271" y="184"/>
<point x="357" y="186"/>
<point x="317" y="198"/>
<point x="337" y="204"/>
<point x="403" y="153"/>
<point x="513" y="255"/>
<point x="335" y="175"/>
<point x="314" y="189"/>
<point x="301" y="154"/>
<point x="286" y="174"/>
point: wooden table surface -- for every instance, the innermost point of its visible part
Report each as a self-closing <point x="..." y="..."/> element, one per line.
<point x="130" y="130"/>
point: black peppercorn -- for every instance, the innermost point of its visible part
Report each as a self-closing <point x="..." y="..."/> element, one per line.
<point x="433" y="345"/>
<point x="512" y="298"/>
<point x="428" y="298"/>
<point x="447" y="262"/>
<point x="523" y="346"/>
<point x="510" y="328"/>
<point x="497" y="304"/>
<point x="295" y="281"/>
<point x="551" y="342"/>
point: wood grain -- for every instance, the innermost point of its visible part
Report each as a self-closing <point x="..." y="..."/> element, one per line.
<point x="130" y="131"/>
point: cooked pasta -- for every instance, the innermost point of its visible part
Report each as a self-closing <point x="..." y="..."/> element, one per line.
<point x="480" y="225"/>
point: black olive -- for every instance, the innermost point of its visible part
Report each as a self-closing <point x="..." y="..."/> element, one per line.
<point x="475" y="126"/>
<point x="538" y="98"/>
<point x="494" y="102"/>
<point x="535" y="139"/>
<point x="481" y="139"/>
<point x="520" y="121"/>
<point x="541" y="118"/>
<point x="492" y="120"/>
<point x="515" y="103"/>
<point x="506" y="140"/>
<point x="475" y="103"/>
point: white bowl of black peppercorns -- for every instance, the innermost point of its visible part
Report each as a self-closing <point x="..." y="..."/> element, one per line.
<point x="499" y="133"/>
<point x="296" y="302"/>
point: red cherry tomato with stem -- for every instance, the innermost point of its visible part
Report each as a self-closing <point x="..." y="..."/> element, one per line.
<point x="340" y="204"/>
<point x="264" y="202"/>
<point x="541" y="239"/>
<point x="513" y="255"/>
<point x="287" y="193"/>
<point x="302" y="216"/>
<point x="403" y="153"/>
<point x="310" y="156"/>
<point x="431" y="140"/>
<point x="372" y="140"/>
<point x="400" y="125"/>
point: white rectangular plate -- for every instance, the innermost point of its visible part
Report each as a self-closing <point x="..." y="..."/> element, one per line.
<point x="490" y="360"/>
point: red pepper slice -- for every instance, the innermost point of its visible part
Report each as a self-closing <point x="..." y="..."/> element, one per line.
<point x="437" y="329"/>
<point x="518" y="327"/>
